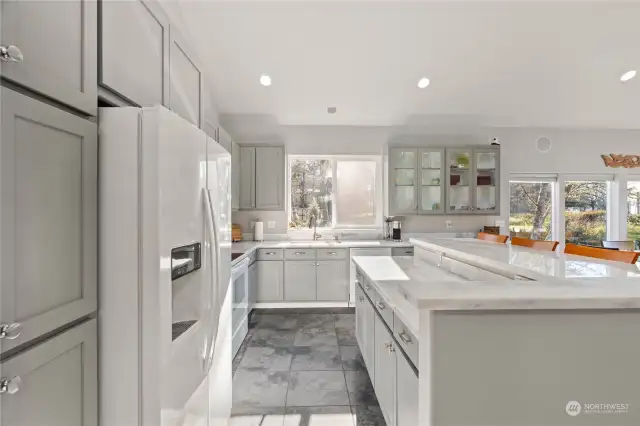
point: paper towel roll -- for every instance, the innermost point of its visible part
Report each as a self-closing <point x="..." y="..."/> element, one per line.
<point x="258" y="231"/>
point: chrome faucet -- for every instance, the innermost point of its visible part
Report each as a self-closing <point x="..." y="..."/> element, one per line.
<point x="312" y="223"/>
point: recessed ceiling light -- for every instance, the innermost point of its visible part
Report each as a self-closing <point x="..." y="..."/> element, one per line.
<point x="423" y="82"/>
<point x="332" y="110"/>
<point x="265" y="80"/>
<point x="628" y="75"/>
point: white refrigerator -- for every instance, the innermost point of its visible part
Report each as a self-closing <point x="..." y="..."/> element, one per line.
<point x="164" y="271"/>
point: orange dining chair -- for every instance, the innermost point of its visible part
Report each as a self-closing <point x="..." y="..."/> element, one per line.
<point x="492" y="237"/>
<point x="601" y="253"/>
<point x="535" y="244"/>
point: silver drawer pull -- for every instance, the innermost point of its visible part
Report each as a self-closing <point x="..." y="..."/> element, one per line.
<point x="270" y="253"/>
<point x="367" y="287"/>
<point x="361" y="299"/>
<point x="299" y="253"/>
<point x="10" y="386"/>
<point x="332" y="253"/>
<point x="380" y="305"/>
<point x="10" y="331"/>
<point x="405" y="337"/>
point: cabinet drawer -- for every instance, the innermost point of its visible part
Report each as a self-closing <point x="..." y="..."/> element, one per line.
<point x="406" y="339"/>
<point x="381" y="306"/>
<point x="332" y="254"/>
<point x="402" y="251"/>
<point x="300" y="254"/>
<point x="270" y="254"/>
<point x="365" y="284"/>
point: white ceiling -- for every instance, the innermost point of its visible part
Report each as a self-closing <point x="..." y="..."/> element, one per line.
<point x="507" y="63"/>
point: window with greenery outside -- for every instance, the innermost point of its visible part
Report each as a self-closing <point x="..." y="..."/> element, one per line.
<point x="633" y="210"/>
<point x="530" y="210"/>
<point x="585" y="212"/>
<point x="311" y="188"/>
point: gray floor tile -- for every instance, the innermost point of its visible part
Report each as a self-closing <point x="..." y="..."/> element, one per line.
<point x="360" y="388"/>
<point x="351" y="358"/>
<point x="257" y="416"/>
<point x="272" y="338"/>
<point x="259" y="388"/>
<point x="316" y="321"/>
<point x="277" y="322"/>
<point x="267" y="358"/>
<point x="368" y="415"/>
<point x="319" y="416"/>
<point x="311" y="336"/>
<point x="313" y="388"/>
<point x="316" y="358"/>
<point x="346" y="321"/>
<point x="346" y="336"/>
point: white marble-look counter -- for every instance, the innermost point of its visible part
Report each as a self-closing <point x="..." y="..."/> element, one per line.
<point x="527" y="262"/>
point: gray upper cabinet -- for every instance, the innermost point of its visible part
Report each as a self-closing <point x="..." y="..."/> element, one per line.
<point x="60" y="47"/>
<point x="300" y="280"/>
<point x="333" y="281"/>
<point x="186" y="80"/>
<point x="224" y="139"/>
<point x="48" y="251"/>
<point x="247" y="177"/>
<point x="473" y="181"/>
<point x="262" y="174"/>
<point x="235" y="176"/>
<point x="431" y="181"/>
<point x="55" y="382"/>
<point x="270" y="178"/>
<point x="403" y="181"/>
<point x="134" y="51"/>
<point x="210" y="121"/>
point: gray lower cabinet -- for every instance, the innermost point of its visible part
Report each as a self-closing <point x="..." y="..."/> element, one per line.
<point x="247" y="178"/>
<point x="262" y="177"/>
<point x="385" y="371"/>
<point x="365" y="330"/>
<point x="60" y="46"/>
<point x="300" y="280"/>
<point x="253" y="283"/>
<point x="48" y="187"/>
<point x="134" y="51"/>
<point x="55" y="382"/>
<point x="185" y="78"/>
<point x="407" y="393"/>
<point x="270" y="183"/>
<point x="332" y="281"/>
<point x="270" y="281"/>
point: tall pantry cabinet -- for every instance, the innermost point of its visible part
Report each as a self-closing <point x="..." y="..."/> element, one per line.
<point x="48" y="213"/>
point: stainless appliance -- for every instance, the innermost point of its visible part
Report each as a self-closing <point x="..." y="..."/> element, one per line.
<point x="165" y="271"/>
<point x="396" y="230"/>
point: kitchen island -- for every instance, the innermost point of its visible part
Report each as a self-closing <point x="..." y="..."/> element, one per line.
<point x="470" y="333"/>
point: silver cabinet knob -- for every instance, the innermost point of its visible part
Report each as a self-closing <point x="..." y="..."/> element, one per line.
<point x="10" y="331"/>
<point x="10" y="54"/>
<point x="380" y="305"/>
<point x="10" y="386"/>
<point x="388" y="345"/>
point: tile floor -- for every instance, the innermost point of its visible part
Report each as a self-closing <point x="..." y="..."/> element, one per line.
<point x="302" y="369"/>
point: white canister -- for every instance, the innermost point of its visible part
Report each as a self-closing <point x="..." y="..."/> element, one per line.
<point x="258" y="231"/>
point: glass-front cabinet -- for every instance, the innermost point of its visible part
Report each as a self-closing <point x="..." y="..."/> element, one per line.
<point x="473" y="181"/>
<point x="403" y="181"/>
<point x="432" y="178"/>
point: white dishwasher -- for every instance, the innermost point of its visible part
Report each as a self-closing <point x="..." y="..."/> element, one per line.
<point x="378" y="251"/>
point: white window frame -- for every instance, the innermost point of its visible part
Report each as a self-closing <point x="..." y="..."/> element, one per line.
<point x="334" y="165"/>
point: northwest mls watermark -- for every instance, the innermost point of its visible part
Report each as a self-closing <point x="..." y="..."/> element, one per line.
<point x="574" y="408"/>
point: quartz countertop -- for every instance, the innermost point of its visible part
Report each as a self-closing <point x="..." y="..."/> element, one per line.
<point x="528" y="262"/>
<point x="246" y="247"/>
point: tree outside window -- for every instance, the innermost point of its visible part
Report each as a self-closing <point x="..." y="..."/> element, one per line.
<point x="530" y="210"/>
<point x="311" y="188"/>
<point x="585" y="212"/>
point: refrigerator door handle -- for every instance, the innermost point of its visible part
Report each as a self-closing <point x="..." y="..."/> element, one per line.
<point x="214" y="257"/>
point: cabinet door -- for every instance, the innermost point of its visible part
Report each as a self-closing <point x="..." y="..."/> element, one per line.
<point x="333" y="281"/>
<point x="134" y="49"/>
<point x="60" y="46"/>
<point x="253" y="284"/>
<point x="486" y="180"/>
<point x="360" y="319"/>
<point x="459" y="181"/>
<point x="270" y="281"/>
<point x="403" y="180"/>
<point x="48" y="250"/>
<point x="58" y="382"/>
<point x="300" y="280"/>
<point x="270" y="178"/>
<point x="407" y="393"/>
<point x="432" y="177"/>
<point x="368" y="337"/>
<point x="385" y="368"/>
<point x="210" y="118"/>
<point x="224" y="139"/>
<point x="247" y="177"/>
<point x="186" y="80"/>
<point x="235" y="176"/>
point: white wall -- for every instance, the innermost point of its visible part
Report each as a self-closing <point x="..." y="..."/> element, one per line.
<point x="572" y="151"/>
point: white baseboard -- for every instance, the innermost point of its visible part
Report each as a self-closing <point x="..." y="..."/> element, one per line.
<point x="284" y="305"/>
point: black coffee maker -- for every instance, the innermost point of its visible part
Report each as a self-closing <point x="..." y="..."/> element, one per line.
<point x="396" y="230"/>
